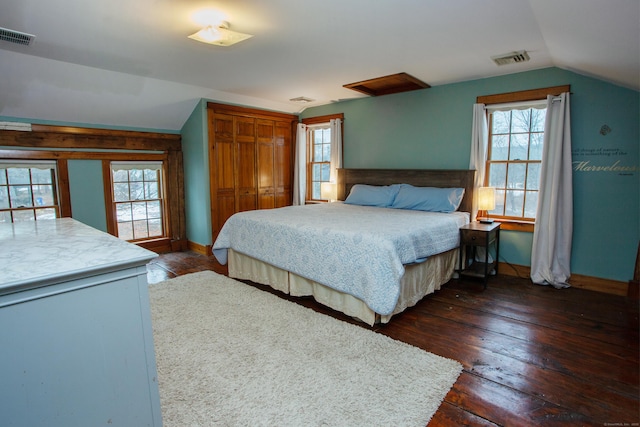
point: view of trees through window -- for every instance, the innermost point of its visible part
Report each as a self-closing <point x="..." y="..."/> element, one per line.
<point x="137" y="195"/>
<point x="514" y="159"/>
<point x="320" y="161"/>
<point x="28" y="193"/>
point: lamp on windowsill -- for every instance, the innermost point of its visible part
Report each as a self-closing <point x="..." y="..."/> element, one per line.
<point x="329" y="191"/>
<point x="486" y="202"/>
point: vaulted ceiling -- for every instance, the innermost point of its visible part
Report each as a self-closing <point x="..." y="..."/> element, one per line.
<point x="130" y="64"/>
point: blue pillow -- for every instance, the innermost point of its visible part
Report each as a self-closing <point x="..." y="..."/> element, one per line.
<point x="429" y="199"/>
<point x="372" y="195"/>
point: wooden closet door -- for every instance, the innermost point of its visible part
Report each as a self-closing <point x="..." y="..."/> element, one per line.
<point x="245" y="163"/>
<point x="222" y="161"/>
<point x="266" y="179"/>
<point x="283" y="169"/>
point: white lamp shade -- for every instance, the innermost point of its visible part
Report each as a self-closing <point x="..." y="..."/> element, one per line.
<point x="328" y="191"/>
<point x="486" y="198"/>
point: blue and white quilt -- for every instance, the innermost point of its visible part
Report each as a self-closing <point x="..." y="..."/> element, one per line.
<point x="359" y="250"/>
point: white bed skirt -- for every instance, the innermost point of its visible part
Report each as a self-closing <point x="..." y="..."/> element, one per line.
<point x="418" y="280"/>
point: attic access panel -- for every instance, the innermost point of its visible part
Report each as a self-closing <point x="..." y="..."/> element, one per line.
<point x="395" y="83"/>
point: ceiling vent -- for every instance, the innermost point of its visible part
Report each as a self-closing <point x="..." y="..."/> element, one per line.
<point x="511" y="58"/>
<point x="16" y="37"/>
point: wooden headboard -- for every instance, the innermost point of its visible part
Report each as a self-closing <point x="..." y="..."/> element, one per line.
<point x="418" y="177"/>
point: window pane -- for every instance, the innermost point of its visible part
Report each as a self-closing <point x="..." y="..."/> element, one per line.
<point x="120" y="176"/>
<point x="499" y="210"/>
<point x="326" y="169"/>
<point x="316" y="174"/>
<point x="121" y="192"/>
<point x="498" y="175"/>
<point x="43" y="195"/>
<point x="20" y="196"/>
<point x="123" y="212"/>
<point x="151" y="190"/>
<point x="153" y="210"/>
<point x="19" y="176"/>
<point x="22" y="216"/>
<point x="326" y="153"/>
<point x="139" y="210"/>
<point x="535" y="152"/>
<point x="533" y="176"/>
<point x="140" y="229"/>
<point x="47" y="213"/>
<point x="538" y="117"/>
<point x="500" y="122"/>
<point x="317" y="153"/>
<point x="515" y="179"/>
<point x="514" y="203"/>
<point x="3" y="177"/>
<point x="519" y="147"/>
<point x="136" y="190"/>
<point x="499" y="147"/>
<point x="125" y="230"/>
<point x="316" y="191"/>
<point x="41" y="176"/>
<point x="150" y="175"/>
<point x="135" y="175"/>
<point x="155" y="227"/>
<point x="4" y="197"/>
<point x="520" y="121"/>
<point x="531" y="204"/>
<point x="5" y="216"/>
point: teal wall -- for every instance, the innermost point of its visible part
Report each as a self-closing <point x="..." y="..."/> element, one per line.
<point x="196" y="176"/>
<point x="431" y="128"/>
<point x="87" y="193"/>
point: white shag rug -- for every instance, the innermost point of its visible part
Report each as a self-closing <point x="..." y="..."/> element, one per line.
<point x="229" y="354"/>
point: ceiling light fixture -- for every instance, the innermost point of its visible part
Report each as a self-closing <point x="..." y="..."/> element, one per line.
<point x="302" y="100"/>
<point x="219" y="35"/>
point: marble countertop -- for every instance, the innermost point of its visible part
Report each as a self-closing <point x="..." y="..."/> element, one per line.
<point x="42" y="252"/>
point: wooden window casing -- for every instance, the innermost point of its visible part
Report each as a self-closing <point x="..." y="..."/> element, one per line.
<point x="314" y="163"/>
<point x="523" y="223"/>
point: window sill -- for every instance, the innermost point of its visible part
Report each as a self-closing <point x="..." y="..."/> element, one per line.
<point x="506" y="224"/>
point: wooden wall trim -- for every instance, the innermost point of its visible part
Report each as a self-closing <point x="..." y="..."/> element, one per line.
<point x="55" y="137"/>
<point x="523" y="95"/>
<point x="322" y="119"/>
<point x="64" y="193"/>
<point x="590" y="283"/>
<point x="78" y="155"/>
<point x="108" y="198"/>
<point x="249" y="112"/>
<point x="201" y="249"/>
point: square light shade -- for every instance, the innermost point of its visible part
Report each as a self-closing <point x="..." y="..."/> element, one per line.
<point x="329" y="191"/>
<point x="486" y="198"/>
<point x="219" y="35"/>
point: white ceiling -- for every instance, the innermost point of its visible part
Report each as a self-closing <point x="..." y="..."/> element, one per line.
<point x="130" y="63"/>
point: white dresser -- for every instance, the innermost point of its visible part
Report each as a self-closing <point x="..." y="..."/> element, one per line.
<point x="76" y="343"/>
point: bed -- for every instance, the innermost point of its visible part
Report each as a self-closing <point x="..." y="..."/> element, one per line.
<point x="369" y="260"/>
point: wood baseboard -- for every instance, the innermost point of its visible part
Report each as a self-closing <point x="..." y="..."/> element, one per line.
<point x="201" y="249"/>
<point x="597" y="284"/>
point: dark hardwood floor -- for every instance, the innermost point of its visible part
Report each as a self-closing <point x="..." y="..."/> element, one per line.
<point x="532" y="355"/>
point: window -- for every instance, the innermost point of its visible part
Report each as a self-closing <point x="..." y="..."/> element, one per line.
<point x="319" y="144"/>
<point x="513" y="160"/>
<point x="28" y="191"/>
<point x="319" y="159"/>
<point x="514" y="152"/>
<point x="138" y="202"/>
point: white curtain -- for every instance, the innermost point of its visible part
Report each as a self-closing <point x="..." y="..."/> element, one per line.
<point x="336" y="149"/>
<point x="551" y="252"/>
<point x="478" y="158"/>
<point x="300" y="166"/>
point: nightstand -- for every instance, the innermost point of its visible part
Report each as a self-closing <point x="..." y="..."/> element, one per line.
<point x="477" y="235"/>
